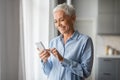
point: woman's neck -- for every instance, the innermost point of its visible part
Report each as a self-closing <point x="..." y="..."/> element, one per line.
<point x="66" y="36"/>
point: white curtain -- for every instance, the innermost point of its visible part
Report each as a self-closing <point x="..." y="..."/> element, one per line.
<point x="34" y="27"/>
<point x="22" y="71"/>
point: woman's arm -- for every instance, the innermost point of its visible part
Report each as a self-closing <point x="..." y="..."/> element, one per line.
<point x="84" y="68"/>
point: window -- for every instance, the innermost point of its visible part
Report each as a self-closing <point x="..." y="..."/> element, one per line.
<point x="36" y="28"/>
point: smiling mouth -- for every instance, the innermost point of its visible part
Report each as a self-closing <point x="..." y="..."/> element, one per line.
<point x="62" y="29"/>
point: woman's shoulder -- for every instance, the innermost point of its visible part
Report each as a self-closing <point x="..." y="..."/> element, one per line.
<point x="83" y="36"/>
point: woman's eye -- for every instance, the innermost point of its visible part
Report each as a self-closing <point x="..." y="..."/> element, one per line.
<point x="62" y="19"/>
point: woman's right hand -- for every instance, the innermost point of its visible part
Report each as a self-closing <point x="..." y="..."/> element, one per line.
<point x="44" y="55"/>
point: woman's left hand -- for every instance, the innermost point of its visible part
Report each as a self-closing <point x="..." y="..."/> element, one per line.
<point x="55" y="52"/>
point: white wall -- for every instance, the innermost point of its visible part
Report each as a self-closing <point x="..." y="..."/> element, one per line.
<point x="9" y="39"/>
<point x="85" y="8"/>
<point x="86" y="11"/>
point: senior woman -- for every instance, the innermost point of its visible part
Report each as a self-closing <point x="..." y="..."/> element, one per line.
<point x="70" y="56"/>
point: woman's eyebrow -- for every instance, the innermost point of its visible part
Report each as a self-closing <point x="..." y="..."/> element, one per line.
<point x="59" y="18"/>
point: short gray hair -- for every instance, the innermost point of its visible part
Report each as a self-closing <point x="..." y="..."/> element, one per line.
<point x="68" y="9"/>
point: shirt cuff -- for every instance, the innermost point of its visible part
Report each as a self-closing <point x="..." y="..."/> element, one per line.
<point x="41" y="61"/>
<point x="65" y="63"/>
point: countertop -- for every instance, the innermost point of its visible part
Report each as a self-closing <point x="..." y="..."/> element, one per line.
<point x="108" y="56"/>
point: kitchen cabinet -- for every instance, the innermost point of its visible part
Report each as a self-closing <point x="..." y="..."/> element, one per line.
<point x="108" y="17"/>
<point x="106" y="24"/>
<point x="118" y="69"/>
<point x="108" y="68"/>
<point x="106" y="6"/>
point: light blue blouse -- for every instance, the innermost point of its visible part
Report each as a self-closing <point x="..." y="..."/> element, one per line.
<point x="78" y="58"/>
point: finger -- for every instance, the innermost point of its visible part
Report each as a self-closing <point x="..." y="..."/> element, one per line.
<point x="44" y="52"/>
<point x="45" y="60"/>
<point x="48" y="50"/>
<point x="41" y="52"/>
<point x="53" y="50"/>
<point x="40" y="49"/>
<point x="55" y="53"/>
<point x="44" y="55"/>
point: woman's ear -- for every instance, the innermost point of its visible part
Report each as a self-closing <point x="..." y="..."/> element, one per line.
<point x="73" y="18"/>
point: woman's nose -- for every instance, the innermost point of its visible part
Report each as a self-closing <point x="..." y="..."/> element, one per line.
<point x="58" y="24"/>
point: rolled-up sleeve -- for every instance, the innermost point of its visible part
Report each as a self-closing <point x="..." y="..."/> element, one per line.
<point x="47" y="66"/>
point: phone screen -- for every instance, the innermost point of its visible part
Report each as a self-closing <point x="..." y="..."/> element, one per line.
<point x="40" y="45"/>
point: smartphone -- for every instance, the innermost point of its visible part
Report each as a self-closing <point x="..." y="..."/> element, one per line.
<point x="40" y="45"/>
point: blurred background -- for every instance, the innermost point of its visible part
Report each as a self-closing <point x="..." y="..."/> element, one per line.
<point x="25" y="22"/>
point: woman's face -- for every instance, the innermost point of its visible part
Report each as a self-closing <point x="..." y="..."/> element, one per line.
<point x="64" y="23"/>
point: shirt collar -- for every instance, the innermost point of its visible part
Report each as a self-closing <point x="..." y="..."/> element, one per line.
<point x="74" y="36"/>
